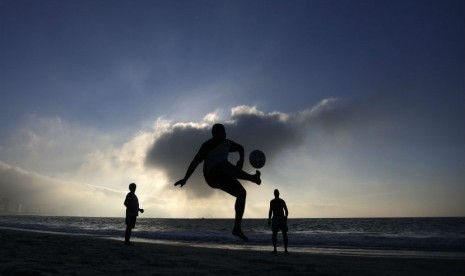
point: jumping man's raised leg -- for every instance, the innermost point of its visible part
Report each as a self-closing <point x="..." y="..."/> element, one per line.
<point x="234" y="172"/>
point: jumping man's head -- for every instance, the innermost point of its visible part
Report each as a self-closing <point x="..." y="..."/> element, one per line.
<point x="276" y="193"/>
<point x="132" y="187"/>
<point x="218" y="131"/>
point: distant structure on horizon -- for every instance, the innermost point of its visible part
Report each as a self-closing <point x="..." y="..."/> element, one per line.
<point x="16" y="207"/>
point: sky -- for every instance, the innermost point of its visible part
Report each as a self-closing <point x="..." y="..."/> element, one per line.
<point x="359" y="106"/>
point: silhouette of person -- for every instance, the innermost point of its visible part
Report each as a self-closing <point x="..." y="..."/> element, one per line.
<point x="219" y="173"/>
<point x="132" y="211"/>
<point x="279" y="212"/>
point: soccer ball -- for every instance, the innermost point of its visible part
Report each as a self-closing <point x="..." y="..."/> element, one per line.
<point x="257" y="159"/>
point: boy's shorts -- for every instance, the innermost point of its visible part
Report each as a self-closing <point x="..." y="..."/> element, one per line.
<point x="131" y="221"/>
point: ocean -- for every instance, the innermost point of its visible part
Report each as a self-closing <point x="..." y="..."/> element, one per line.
<point x="410" y="237"/>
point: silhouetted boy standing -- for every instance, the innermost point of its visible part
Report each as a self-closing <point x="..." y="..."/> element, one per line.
<point x="132" y="211"/>
<point x="279" y="212"/>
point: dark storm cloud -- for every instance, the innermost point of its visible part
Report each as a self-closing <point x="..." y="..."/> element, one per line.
<point x="270" y="132"/>
<point x="173" y="151"/>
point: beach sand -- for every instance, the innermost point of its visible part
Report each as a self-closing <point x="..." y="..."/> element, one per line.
<point x="32" y="253"/>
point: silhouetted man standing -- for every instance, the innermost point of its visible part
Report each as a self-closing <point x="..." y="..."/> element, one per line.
<point x="220" y="174"/>
<point x="279" y="212"/>
<point x="132" y="211"/>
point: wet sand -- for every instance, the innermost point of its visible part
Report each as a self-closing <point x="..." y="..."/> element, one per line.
<point x="32" y="253"/>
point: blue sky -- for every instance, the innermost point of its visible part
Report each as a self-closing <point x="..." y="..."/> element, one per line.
<point x="359" y="105"/>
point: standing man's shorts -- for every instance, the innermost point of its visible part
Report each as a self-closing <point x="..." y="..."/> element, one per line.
<point x="279" y="224"/>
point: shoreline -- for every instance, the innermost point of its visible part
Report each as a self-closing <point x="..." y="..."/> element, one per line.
<point x="332" y="251"/>
<point x="37" y="253"/>
<point x="329" y="251"/>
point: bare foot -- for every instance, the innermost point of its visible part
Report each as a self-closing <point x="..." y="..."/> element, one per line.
<point x="239" y="234"/>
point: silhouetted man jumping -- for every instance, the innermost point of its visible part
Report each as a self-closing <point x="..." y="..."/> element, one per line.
<point x="220" y="174"/>
<point x="278" y="210"/>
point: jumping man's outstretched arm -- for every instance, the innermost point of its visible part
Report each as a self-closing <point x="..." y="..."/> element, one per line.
<point x="189" y="172"/>
<point x="193" y="165"/>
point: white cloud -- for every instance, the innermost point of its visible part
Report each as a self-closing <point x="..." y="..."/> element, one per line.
<point x="51" y="145"/>
<point x="30" y="192"/>
<point x="245" y="109"/>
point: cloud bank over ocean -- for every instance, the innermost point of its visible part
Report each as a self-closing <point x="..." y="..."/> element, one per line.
<point x="154" y="158"/>
<point x="332" y="158"/>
